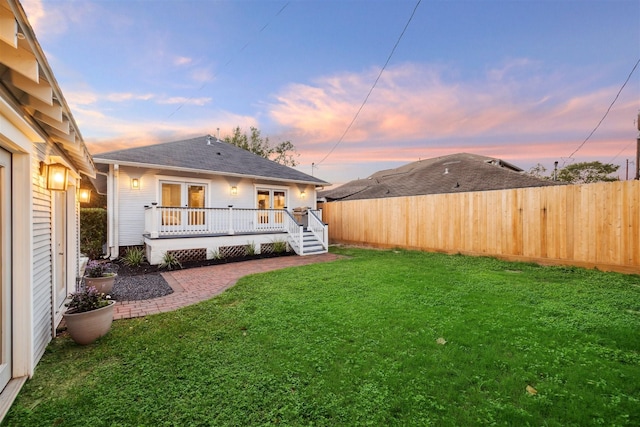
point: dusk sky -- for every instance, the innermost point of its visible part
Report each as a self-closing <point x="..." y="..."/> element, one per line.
<point x="524" y="81"/>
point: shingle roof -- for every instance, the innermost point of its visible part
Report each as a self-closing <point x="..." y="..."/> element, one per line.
<point x="206" y="153"/>
<point x="455" y="173"/>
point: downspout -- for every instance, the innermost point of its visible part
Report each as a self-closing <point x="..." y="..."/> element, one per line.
<point x="112" y="212"/>
<point x="115" y="251"/>
<point x="109" y="210"/>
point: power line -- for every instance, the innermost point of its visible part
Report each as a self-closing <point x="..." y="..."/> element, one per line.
<point x="620" y="152"/>
<point x="606" y="113"/>
<point x="373" y="86"/>
<point x="264" y="27"/>
<point x="628" y="145"/>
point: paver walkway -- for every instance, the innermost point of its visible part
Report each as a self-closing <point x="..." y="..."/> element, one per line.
<point x="198" y="284"/>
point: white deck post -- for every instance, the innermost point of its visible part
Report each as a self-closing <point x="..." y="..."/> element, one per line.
<point x="231" y="219"/>
<point x="153" y="232"/>
<point x="301" y="239"/>
<point x="325" y="238"/>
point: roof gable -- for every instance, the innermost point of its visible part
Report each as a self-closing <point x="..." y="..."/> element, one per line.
<point x="209" y="154"/>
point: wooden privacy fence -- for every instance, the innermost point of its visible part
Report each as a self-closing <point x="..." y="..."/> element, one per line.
<point x="592" y="225"/>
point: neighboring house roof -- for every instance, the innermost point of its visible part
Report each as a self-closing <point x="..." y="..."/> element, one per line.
<point x="455" y="173"/>
<point x="206" y="154"/>
<point x="28" y="85"/>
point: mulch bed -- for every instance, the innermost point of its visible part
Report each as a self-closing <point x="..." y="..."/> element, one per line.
<point x="145" y="268"/>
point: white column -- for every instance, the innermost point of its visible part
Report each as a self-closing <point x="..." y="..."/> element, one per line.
<point x="231" y="219"/>
<point x="153" y="232"/>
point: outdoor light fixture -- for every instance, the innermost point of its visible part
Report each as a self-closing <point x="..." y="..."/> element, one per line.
<point x="234" y="191"/>
<point x="135" y="183"/>
<point x="85" y="195"/>
<point x="56" y="176"/>
<point x="303" y="194"/>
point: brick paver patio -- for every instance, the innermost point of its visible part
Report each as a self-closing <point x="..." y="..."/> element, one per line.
<point x="197" y="284"/>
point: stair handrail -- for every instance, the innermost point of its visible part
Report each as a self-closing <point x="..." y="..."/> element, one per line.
<point x="295" y="232"/>
<point x="319" y="229"/>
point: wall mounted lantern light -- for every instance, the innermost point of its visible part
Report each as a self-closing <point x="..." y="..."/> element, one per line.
<point x="303" y="194"/>
<point x="135" y="183"/>
<point x="56" y="176"/>
<point x="234" y="191"/>
<point x="84" y="195"/>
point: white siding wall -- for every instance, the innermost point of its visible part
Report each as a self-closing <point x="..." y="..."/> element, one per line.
<point x="76" y="244"/>
<point x="132" y="202"/>
<point x="43" y="280"/>
<point x="42" y="260"/>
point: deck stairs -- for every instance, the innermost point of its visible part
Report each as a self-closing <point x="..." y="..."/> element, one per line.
<point x="306" y="244"/>
<point x="311" y="244"/>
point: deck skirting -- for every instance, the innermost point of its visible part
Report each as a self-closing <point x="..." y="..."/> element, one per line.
<point x="156" y="248"/>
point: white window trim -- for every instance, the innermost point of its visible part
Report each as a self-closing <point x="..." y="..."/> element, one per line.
<point x="256" y="187"/>
<point x="180" y="180"/>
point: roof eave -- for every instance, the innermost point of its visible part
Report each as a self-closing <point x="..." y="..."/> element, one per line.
<point x="76" y="150"/>
<point x="204" y="171"/>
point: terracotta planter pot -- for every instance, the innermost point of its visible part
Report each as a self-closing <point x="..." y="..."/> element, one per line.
<point x="85" y="328"/>
<point x="103" y="284"/>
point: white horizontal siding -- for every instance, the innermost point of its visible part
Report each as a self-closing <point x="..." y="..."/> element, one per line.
<point x="42" y="261"/>
<point x="131" y="202"/>
<point x="76" y="240"/>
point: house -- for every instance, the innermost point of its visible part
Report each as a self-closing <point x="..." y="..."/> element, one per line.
<point x="455" y="173"/>
<point x="42" y="155"/>
<point x="201" y="198"/>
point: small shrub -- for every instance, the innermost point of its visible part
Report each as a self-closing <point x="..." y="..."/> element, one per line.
<point x="87" y="299"/>
<point x="134" y="257"/>
<point x="170" y="262"/>
<point x="279" y="246"/>
<point x="99" y="269"/>
<point x="250" y="248"/>
<point x="93" y="231"/>
<point x="215" y="254"/>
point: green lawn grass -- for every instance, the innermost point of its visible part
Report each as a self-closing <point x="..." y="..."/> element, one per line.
<point x="354" y="342"/>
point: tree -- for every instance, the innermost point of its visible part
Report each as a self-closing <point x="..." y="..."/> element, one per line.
<point x="283" y="153"/>
<point x="587" y="172"/>
<point x="538" y="171"/>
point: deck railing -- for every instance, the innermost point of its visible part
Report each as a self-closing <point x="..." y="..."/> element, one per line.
<point x="295" y="232"/>
<point x="318" y="228"/>
<point x="164" y="221"/>
<point x="177" y="221"/>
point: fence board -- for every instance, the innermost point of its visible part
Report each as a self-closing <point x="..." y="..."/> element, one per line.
<point x="594" y="225"/>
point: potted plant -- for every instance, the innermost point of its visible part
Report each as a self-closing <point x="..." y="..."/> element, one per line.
<point x="100" y="275"/>
<point x="89" y="315"/>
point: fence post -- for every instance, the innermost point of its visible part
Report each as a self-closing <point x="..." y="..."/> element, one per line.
<point x="153" y="232"/>
<point x="231" y="219"/>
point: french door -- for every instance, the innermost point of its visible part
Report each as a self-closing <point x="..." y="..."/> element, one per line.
<point x="180" y="195"/>
<point x="5" y="268"/>
<point x="270" y="202"/>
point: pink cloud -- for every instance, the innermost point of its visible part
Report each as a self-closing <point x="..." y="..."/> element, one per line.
<point x="414" y="112"/>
